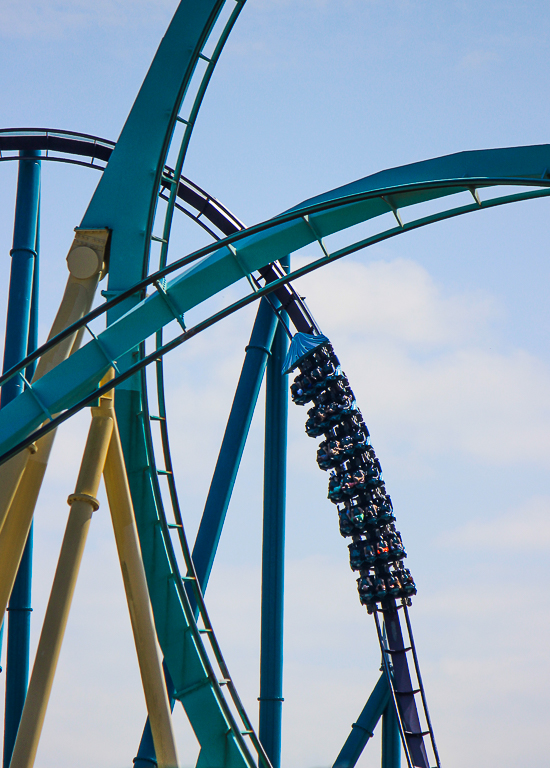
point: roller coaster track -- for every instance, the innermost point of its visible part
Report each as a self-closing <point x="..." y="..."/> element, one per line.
<point x="214" y="218"/>
<point x="221" y="268"/>
<point x="138" y="164"/>
<point x="276" y="237"/>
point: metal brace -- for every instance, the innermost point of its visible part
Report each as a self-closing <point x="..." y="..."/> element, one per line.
<point x="160" y="285"/>
<point x="242" y="267"/>
<point x="393" y="209"/>
<point x="316" y="235"/>
<point x="38" y="401"/>
<point x="102" y="348"/>
<point x="475" y="195"/>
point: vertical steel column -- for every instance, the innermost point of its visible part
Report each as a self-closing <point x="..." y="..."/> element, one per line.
<point x="18" y="335"/>
<point x="391" y="739"/>
<point x="225" y="472"/>
<point x="234" y="440"/>
<point x="273" y="547"/>
<point x="362" y="730"/>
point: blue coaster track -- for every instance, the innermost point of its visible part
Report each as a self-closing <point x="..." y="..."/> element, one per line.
<point x="141" y="303"/>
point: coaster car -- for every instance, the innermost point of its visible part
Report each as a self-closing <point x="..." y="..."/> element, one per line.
<point x="365" y="587"/>
<point x="382" y="549"/>
<point x="335" y="491"/>
<point x="362" y="513"/>
<point x="362" y="555"/>
<point x="408" y="587"/>
<point x="347" y="527"/>
<point x="393" y="585"/>
<point x="396" y="548"/>
<point x="302" y="390"/>
<point x="380" y="590"/>
<point x="329" y="454"/>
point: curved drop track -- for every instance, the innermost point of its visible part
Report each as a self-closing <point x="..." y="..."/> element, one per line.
<point x="188" y="54"/>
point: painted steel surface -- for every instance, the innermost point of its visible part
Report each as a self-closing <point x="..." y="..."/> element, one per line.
<point x="137" y="163"/>
<point x="194" y="686"/>
<point x="273" y="549"/>
<point x="83" y="504"/>
<point x="236" y="432"/>
<point x="131" y="224"/>
<point x="139" y="156"/>
<point x="21" y="333"/>
<point x="362" y="730"/>
<point x="79" y="375"/>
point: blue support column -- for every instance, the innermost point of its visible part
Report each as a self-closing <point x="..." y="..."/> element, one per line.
<point x="21" y="330"/>
<point x="225" y="473"/>
<point x="271" y="654"/>
<point x="361" y="731"/>
<point x="391" y="739"/>
<point x="234" y="439"/>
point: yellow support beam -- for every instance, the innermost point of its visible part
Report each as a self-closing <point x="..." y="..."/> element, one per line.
<point x="13" y="535"/>
<point x="141" y="614"/>
<point x="85" y="260"/>
<point x="21" y="477"/>
<point x="83" y="503"/>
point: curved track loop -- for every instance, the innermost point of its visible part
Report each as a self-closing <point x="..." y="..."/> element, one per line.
<point x="63" y="146"/>
<point x="226" y="263"/>
<point x="232" y="259"/>
<point x="94" y="152"/>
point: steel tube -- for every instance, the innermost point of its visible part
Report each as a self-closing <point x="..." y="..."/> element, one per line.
<point x="16" y="348"/>
<point x="141" y="614"/>
<point x="83" y="503"/>
<point x="234" y="440"/>
<point x="225" y="472"/>
<point x="273" y="547"/>
<point x="363" y="729"/>
<point x="391" y="739"/>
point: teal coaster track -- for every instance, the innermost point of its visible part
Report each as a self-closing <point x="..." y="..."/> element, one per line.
<point x="121" y="230"/>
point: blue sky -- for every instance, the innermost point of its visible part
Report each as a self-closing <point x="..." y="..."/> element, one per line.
<point x="443" y="334"/>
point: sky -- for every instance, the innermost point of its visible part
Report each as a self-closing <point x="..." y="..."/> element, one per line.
<point x="443" y="334"/>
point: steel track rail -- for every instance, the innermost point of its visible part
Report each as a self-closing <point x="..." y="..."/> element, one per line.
<point x="140" y="287"/>
<point x="222" y="314"/>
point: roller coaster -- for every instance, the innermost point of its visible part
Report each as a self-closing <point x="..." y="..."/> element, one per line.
<point x="98" y="356"/>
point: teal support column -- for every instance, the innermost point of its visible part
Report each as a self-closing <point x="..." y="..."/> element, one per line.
<point x="362" y="730"/>
<point x="21" y="337"/>
<point x="391" y="739"/>
<point x="225" y="472"/>
<point x="234" y="440"/>
<point x="273" y="548"/>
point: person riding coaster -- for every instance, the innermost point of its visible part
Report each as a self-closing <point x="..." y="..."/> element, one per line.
<point x="395" y="544"/>
<point x="362" y="555"/>
<point x="329" y="454"/>
<point x="380" y="590"/>
<point x="355" y="519"/>
<point x="347" y="526"/>
<point x="302" y="390"/>
<point x="335" y="491"/>
<point x="393" y="585"/>
<point x="365" y="587"/>
<point x="355" y="479"/>
<point x="408" y="587"/>
<point x="323" y="418"/>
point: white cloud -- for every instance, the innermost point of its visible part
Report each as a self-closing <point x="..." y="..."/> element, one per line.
<point x="397" y="301"/>
<point x="422" y="365"/>
<point x="526" y="529"/>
